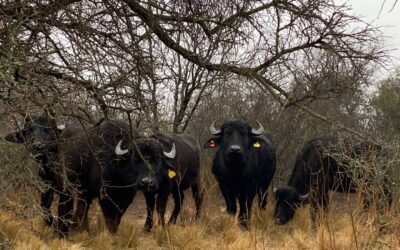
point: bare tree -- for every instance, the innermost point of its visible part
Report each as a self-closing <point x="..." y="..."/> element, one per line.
<point x="266" y="41"/>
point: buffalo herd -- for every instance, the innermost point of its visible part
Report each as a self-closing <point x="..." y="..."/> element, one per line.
<point x="111" y="161"/>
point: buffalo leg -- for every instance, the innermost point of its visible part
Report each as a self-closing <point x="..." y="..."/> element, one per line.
<point x="178" y="200"/>
<point x="81" y="219"/>
<point x="45" y="203"/>
<point x="245" y="203"/>
<point x="150" y="203"/>
<point x="229" y="196"/>
<point x="46" y="197"/>
<point x="113" y="221"/>
<point x="65" y="210"/>
<point x="161" y="205"/>
<point x="388" y="197"/>
<point x="198" y="198"/>
<point x="322" y="202"/>
<point x="230" y="200"/>
<point x="313" y="214"/>
<point x="112" y="215"/>
<point x="114" y="206"/>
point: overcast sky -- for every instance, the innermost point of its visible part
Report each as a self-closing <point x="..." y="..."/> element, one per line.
<point x="388" y="19"/>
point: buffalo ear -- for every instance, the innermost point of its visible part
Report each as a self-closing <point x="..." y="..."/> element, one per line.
<point x="15" y="137"/>
<point x="171" y="170"/>
<point x="212" y="143"/>
<point x="257" y="142"/>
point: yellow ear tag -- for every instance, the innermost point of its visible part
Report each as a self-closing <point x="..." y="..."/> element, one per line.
<point x="171" y="173"/>
<point x="256" y="145"/>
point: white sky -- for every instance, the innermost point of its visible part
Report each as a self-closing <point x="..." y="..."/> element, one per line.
<point x="388" y="19"/>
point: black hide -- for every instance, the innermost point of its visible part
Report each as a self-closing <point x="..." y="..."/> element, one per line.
<point x="244" y="166"/>
<point x="318" y="171"/>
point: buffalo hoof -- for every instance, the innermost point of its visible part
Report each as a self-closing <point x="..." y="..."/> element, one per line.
<point x="245" y="225"/>
<point x="147" y="229"/>
<point x="62" y="228"/>
<point x="48" y="220"/>
<point x="61" y="234"/>
<point x="279" y="222"/>
<point x="172" y="221"/>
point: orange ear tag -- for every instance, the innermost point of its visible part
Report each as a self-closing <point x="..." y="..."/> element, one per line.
<point x="256" y="145"/>
<point x="212" y="144"/>
<point x="171" y="173"/>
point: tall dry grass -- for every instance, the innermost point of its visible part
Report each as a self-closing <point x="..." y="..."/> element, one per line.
<point x="346" y="226"/>
<point x="216" y="230"/>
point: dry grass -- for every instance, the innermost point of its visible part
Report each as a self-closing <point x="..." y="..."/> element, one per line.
<point x="215" y="230"/>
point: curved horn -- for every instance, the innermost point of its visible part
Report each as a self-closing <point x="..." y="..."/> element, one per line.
<point x="119" y="151"/>
<point x="61" y="126"/>
<point x="172" y="153"/>
<point x="304" y="196"/>
<point x="258" y="131"/>
<point x="213" y="130"/>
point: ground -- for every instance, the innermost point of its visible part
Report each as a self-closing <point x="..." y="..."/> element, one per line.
<point x="345" y="228"/>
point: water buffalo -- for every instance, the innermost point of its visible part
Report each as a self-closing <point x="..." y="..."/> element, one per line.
<point x="322" y="166"/>
<point x="167" y="164"/>
<point x="244" y="165"/>
<point x="39" y="133"/>
<point x="96" y="166"/>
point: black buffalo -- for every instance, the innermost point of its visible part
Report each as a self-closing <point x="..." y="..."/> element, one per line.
<point x="319" y="168"/>
<point x="93" y="164"/>
<point x="167" y="164"/>
<point x="40" y="135"/>
<point x="244" y="165"/>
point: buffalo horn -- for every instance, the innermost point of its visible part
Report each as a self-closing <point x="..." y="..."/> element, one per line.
<point x="172" y="153"/>
<point x="259" y="130"/>
<point x="213" y="130"/>
<point x="119" y="151"/>
<point x="304" y="196"/>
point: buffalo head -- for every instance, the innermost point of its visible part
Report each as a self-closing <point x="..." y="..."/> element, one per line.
<point x="235" y="139"/>
<point x="37" y="132"/>
<point x="152" y="159"/>
<point x="287" y="201"/>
